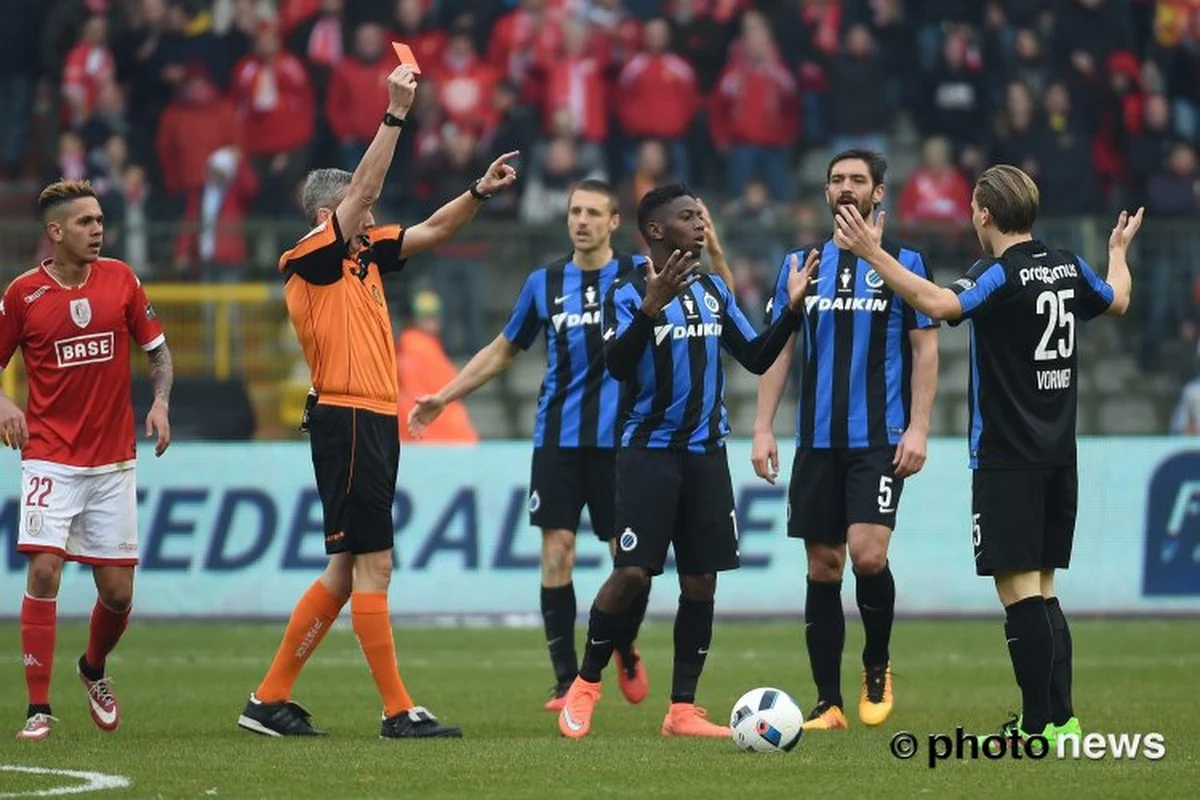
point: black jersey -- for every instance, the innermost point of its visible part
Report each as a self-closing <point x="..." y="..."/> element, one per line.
<point x="1024" y="307"/>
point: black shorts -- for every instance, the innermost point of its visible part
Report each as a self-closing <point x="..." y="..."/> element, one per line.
<point x="673" y="497"/>
<point x="565" y="479"/>
<point x="356" y="455"/>
<point x="1023" y="519"/>
<point x="830" y="490"/>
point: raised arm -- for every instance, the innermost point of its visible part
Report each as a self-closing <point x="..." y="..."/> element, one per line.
<point x="758" y="353"/>
<point x="1118" y="276"/>
<point x="367" y="181"/>
<point x="451" y="218"/>
<point x="627" y="331"/>
<point x="629" y="317"/>
<point x="716" y="252"/>
<point x="853" y="233"/>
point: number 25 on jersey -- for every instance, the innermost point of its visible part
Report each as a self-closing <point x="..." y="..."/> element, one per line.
<point x="1058" y="339"/>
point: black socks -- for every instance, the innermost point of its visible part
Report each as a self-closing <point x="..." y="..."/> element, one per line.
<point x="876" y="595"/>
<point x="1061" y="706"/>
<point x="603" y="631"/>
<point x="558" y="618"/>
<point x="825" y="634"/>
<point x="1031" y="647"/>
<point x="636" y="615"/>
<point x="693" y="634"/>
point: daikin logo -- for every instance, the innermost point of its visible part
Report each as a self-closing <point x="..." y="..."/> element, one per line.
<point x="872" y="304"/>
<point x="574" y="320"/>
<point x="693" y="330"/>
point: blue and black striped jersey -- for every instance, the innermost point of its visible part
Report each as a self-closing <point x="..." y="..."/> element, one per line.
<point x="674" y="380"/>
<point x="577" y="405"/>
<point x="855" y="387"/>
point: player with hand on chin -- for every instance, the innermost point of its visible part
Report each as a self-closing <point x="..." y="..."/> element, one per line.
<point x="1023" y="299"/>
<point x="867" y="389"/>
<point x="333" y="286"/>
<point x="72" y="318"/>
<point x="664" y="328"/>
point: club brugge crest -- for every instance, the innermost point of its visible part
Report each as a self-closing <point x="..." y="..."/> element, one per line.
<point x="81" y="312"/>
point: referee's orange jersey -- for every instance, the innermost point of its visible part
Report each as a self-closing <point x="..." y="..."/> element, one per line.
<point x="336" y="303"/>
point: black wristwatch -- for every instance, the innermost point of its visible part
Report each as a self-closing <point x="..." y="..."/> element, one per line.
<point x="392" y="121"/>
<point x="478" y="195"/>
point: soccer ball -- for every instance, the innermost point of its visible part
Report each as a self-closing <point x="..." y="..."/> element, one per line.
<point x="766" y="720"/>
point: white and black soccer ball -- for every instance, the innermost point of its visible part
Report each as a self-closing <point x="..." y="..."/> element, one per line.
<point x="766" y="720"/>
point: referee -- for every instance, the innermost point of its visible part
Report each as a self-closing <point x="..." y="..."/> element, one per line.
<point x="333" y="286"/>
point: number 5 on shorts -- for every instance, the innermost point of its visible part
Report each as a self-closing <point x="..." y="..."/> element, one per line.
<point x="976" y="533"/>
<point x="885" y="494"/>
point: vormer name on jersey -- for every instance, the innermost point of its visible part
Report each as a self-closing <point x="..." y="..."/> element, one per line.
<point x="1050" y="379"/>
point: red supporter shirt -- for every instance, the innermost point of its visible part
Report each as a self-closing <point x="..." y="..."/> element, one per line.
<point x="75" y="342"/>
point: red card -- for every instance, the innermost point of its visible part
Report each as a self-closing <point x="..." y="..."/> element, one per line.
<point x="405" y="54"/>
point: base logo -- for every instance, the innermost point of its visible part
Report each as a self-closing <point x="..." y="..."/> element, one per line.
<point x="90" y="348"/>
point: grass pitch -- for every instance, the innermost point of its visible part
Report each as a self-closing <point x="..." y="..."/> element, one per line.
<point x="182" y="686"/>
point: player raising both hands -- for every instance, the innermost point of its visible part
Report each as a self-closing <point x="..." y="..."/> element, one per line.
<point x="1023" y="299"/>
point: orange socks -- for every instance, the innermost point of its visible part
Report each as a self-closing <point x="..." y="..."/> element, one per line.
<point x="311" y="620"/>
<point x="373" y="627"/>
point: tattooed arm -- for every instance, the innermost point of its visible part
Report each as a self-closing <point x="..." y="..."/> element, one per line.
<point x="162" y="375"/>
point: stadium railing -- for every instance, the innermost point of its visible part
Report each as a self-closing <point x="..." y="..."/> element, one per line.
<point x="230" y="322"/>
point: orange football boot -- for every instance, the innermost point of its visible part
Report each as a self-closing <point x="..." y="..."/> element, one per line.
<point x="575" y="719"/>
<point x="635" y="687"/>
<point x="688" y="719"/>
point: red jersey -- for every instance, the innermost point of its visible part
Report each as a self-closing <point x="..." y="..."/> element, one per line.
<point x="75" y="342"/>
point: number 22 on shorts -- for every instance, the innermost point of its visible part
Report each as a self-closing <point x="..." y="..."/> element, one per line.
<point x="40" y="487"/>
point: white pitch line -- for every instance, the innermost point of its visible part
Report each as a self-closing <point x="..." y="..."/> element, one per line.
<point x="95" y="781"/>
